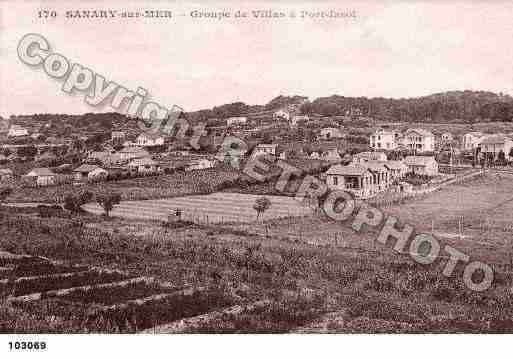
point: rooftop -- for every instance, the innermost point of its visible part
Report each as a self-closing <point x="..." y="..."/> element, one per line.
<point x="420" y="131"/>
<point x="41" y="172"/>
<point x="495" y="139"/>
<point x="349" y="170"/>
<point x="419" y="160"/>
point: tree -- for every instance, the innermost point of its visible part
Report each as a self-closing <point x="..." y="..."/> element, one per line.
<point x="501" y="157"/>
<point x="261" y="205"/>
<point x="74" y="203"/>
<point x="108" y="201"/>
<point x="4" y="193"/>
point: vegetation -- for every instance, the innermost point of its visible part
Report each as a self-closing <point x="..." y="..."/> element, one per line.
<point x="261" y="205"/>
<point x="74" y="203"/>
<point x="108" y="201"/>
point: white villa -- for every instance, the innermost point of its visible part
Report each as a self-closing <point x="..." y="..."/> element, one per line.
<point x="17" y="131"/>
<point x="42" y="177"/>
<point x="240" y="120"/>
<point x="383" y="140"/>
<point x="471" y="140"/>
<point x="150" y="139"/>
<point x="419" y="140"/>
<point x="265" y="149"/>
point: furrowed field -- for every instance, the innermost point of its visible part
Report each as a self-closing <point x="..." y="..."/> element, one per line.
<point x="212" y="208"/>
<point x="297" y="274"/>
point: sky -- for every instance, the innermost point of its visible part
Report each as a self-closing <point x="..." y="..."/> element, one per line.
<point x="389" y="49"/>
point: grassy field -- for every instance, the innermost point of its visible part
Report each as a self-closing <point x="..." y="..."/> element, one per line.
<point x="213" y="208"/>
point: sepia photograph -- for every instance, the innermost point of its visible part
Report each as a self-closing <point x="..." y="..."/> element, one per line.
<point x="255" y="167"/>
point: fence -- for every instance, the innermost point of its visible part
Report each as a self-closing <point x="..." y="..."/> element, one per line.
<point x="393" y="198"/>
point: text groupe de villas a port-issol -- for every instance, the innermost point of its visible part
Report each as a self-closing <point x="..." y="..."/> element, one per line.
<point x="270" y="14"/>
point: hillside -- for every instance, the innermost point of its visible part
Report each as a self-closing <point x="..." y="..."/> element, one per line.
<point x="466" y="106"/>
<point x="452" y="106"/>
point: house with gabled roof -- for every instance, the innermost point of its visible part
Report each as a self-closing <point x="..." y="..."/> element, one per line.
<point x="89" y="172"/>
<point x="239" y="120"/>
<point x="419" y="140"/>
<point x="354" y="178"/>
<point x="147" y="139"/>
<point x="380" y="174"/>
<point x="265" y="149"/>
<point x="382" y="139"/>
<point x="42" y="176"/>
<point x="397" y="169"/>
<point x="144" y="165"/>
<point x="17" y="131"/>
<point x="471" y="140"/>
<point x="492" y="145"/>
<point x="129" y="153"/>
<point x="421" y="165"/>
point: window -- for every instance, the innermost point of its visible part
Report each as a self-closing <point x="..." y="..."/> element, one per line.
<point x="335" y="180"/>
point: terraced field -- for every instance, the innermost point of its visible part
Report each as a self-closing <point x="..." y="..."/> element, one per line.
<point x="212" y="208"/>
<point x="101" y="300"/>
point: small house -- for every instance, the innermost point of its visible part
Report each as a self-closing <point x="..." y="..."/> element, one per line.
<point x="147" y="139"/>
<point x="144" y="166"/>
<point x="421" y="165"/>
<point x="471" y="140"/>
<point x="354" y="178"/>
<point x="329" y="133"/>
<point x="239" y="120"/>
<point x="397" y="169"/>
<point x="17" y="131"/>
<point x="42" y="177"/>
<point x="130" y="153"/>
<point x="200" y="164"/>
<point x="493" y="145"/>
<point x="87" y="172"/>
<point x="265" y="149"/>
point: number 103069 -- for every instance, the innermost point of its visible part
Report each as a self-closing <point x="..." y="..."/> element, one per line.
<point x="27" y="345"/>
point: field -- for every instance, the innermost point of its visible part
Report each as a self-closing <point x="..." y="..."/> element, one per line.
<point x="164" y="186"/>
<point x="213" y="208"/>
<point x="293" y="274"/>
